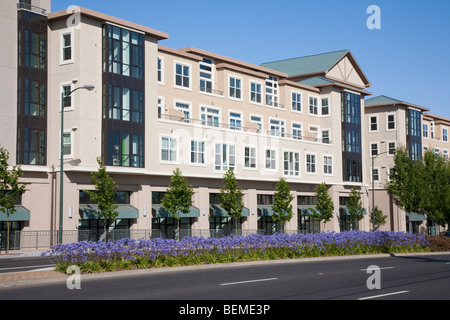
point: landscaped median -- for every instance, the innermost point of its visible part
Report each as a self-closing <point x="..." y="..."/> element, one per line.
<point x="127" y="254"/>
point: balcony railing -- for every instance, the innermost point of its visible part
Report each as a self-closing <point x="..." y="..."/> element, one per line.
<point x="32" y="8"/>
<point x="234" y="127"/>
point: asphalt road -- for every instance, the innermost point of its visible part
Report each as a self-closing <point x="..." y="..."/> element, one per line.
<point x="417" y="277"/>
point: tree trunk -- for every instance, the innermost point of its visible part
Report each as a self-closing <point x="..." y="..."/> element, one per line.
<point x="7" y="233"/>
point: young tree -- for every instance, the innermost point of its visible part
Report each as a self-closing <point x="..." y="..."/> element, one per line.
<point x="178" y="198"/>
<point x="104" y="195"/>
<point x="354" y="206"/>
<point x="231" y="197"/>
<point x="9" y="189"/>
<point x="324" y="209"/>
<point x="379" y="218"/>
<point x="282" y="206"/>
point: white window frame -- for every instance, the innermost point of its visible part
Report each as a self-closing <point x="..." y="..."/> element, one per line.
<point x="259" y="123"/>
<point x="197" y="152"/>
<point x="445" y="153"/>
<point x="298" y="101"/>
<point x="329" y="136"/>
<point x="316" y="105"/>
<point x="309" y="163"/>
<point x="281" y="126"/>
<point x="260" y="94"/>
<point x="209" y="65"/>
<point x="293" y="164"/>
<point x="375" y="177"/>
<point x="160" y="70"/>
<point x="371" y="149"/>
<point x="229" y="155"/>
<point x="272" y="159"/>
<point x="189" y="108"/>
<point x="300" y="129"/>
<point x="445" y="136"/>
<point x="251" y="159"/>
<point x="425" y="130"/>
<point x="272" y="90"/>
<point x="69" y="132"/>
<point x="376" y="122"/>
<point x="170" y="151"/>
<point x="327" y="166"/>
<point x="72" y="97"/>
<point x="237" y="89"/>
<point x="236" y="119"/>
<point x="62" y="47"/>
<point x="206" y="113"/>
<point x="387" y="121"/>
<point x="183" y="64"/>
<point x="388" y="148"/>
<point x="328" y="114"/>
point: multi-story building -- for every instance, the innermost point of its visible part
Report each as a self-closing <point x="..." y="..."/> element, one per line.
<point x="155" y="109"/>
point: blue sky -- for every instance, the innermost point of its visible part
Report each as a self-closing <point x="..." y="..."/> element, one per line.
<point x="407" y="59"/>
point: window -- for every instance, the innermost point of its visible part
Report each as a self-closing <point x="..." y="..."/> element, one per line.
<point x="445" y="134"/>
<point x="390" y="122"/>
<point x="432" y="130"/>
<point x="255" y="92"/>
<point x="66" y="97"/>
<point x="313" y="105"/>
<point x="277" y="128"/>
<point x="425" y="130"/>
<point x="67" y="144"/>
<point x="197" y="152"/>
<point x="225" y="157"/>
<point x="310" y="163"/>
<point x="32" y="49"/>
<point x="125" y="149"/>
<point x="66" y="47"/>
<point x="182" y="75"/>
<point x="325" y="136"/>
<point x="235" y="121"/>
<point x="258" y="121"/>
<point x="168" y="149"/>
<point x="296" y="130"/>
<point x="391" y="148"/>
<point x="235" y="85"/>
<point x="125" y="52"/>
<point x="445" y="153"/>
<point x="250" y="157"/>
<point x="272" y="92"/>
<point x="271" y="159"/>
<point x="185" y="108"/>
<point x="31" y="146"/>
<point x="375" y="174"/>
<point x="325" y="107"/>
<point x="125" y="104"/>
<point x="373" y="123"/>
<point x="209" y="116"/>
<point x="32" y="97"/>
<point x="374" y="149"/>
<point x="296" y="101"/>
<point x="327" y="165"/>
<point x="291" y="163"/>
<point x="436" y="151"/>
<point x="160" y="70"/>
<point x="206" y="76"/>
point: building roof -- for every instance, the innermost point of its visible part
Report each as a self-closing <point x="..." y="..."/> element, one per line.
<point x="382" y="101"/>
<point x="159" y="35"/>
<point x="309" y="64"/>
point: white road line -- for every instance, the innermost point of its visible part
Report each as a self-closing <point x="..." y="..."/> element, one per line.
<point x="383" y="295"/>
<point x="382" y="268"/>
<point x="248" y="281"/>
<point x="27" y="267"/>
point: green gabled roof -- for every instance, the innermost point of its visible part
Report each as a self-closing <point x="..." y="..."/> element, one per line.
<point x="316" y="81"/>
<point x="380" y="100"/>
<point x="308" y="64"/>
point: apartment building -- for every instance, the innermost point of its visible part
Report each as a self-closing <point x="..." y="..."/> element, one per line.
<point x="154" y="109"/>
<point x="435" y="131"/>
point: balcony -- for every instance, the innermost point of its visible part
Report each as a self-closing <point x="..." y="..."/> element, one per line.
<point x="29" y="7"/>
<point x="253" y="129"/>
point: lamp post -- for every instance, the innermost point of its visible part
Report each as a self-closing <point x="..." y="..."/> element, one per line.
<point x="373" y="188"/>
<point x="89" y="88"/>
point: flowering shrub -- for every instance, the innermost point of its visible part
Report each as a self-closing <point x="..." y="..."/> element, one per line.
<point x="131" y="253"/>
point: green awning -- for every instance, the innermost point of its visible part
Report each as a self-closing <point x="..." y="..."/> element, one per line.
<point x="21" y="214"/>
<point x="125" y="211"/>
<point x="414" y="216"/>
<point x="265" y="210"/>
<point x="304" y="209"/>
<point x="159" y="212"/>
<point x="219" y="211"/>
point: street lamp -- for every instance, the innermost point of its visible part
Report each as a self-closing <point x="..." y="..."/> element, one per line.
<point x="373" y="188"/>
<point x="89" y="88"/>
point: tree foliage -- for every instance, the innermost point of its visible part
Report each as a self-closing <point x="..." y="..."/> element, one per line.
<point x="354" y="205"/>
<point x="324" y="208"/>
<point x="282" y="206"/>
<point x="104" y="194"/>
<point x="178" y="198"/>
<point x="231" y="197"/>
<point x="379" y="219"/>
<point x="9" y="188"/>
